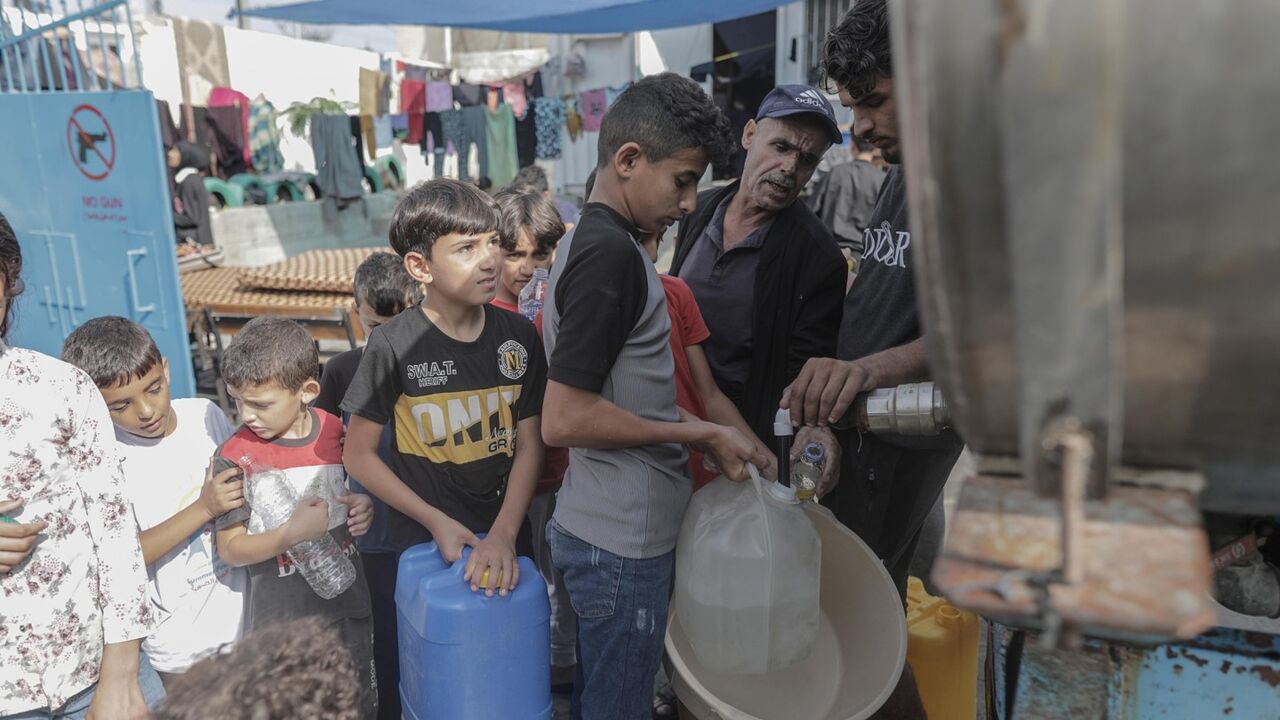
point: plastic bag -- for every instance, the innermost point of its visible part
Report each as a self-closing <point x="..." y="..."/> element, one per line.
<point x="747" y="576"/>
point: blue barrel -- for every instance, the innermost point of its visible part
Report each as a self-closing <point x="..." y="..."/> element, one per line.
<point x="464" y="655"/>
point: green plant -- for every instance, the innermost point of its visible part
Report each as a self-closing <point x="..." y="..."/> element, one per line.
<point x="298" y="113"/>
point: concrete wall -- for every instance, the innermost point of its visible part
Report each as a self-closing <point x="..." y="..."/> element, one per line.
<point x="261" y="235"/>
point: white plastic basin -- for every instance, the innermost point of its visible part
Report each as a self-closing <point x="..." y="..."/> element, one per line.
<point x="855" y="662"/>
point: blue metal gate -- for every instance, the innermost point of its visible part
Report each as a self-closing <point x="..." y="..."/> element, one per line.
<point x="85" y="184"/>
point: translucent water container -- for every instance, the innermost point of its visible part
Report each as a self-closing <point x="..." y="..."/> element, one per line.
<point x="466" y="656"/>
<point x="747" y="577"/>
<point x="942" y="648"/>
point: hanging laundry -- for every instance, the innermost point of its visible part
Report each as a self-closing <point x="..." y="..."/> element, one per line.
<point x="202" y="58"/>
<point x="264" y="137"/>
<point x="572" y="120"/>
<point x="504" y="162"/>
<point x="371" y="86"/>
<point x="548" y="115"/>
<point x="168" y="131"/>
<point x="413" y="101"/>
<point x="400" y="126"/>
<point x="433" y="141"/>
<point x="533" y="85"/>
<point x="476" y="126"/>
<point x="338" y="172"/>
<point x="226" y="131"/>
<point x="493" y="97"/>
<point x="439" y="96"/>
<point x="468" y="95"/>
<point x="370" y="140"/>
<point x="357" y="136"/>
<point x="527" y="136"/>
<point x="513" y="92"/>
<point x="613" y="91"/>
<point x="226" y="97"/>
<point x="593" y="108"/>
<point x="382" y="132"/>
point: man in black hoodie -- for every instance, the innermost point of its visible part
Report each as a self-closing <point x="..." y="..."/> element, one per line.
<point x="888" y="485"/>
<point x="767" y="274"/>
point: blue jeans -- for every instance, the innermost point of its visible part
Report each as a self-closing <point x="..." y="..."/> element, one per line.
<point x="621" y="604"/>
<point x="78" y="706"/>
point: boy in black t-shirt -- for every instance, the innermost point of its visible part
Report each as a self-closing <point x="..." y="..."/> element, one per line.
<point x="383" y="289"/>
<point x="461" y="384"/>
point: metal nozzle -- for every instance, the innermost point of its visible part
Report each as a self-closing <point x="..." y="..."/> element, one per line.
<point x="911" y="409"/>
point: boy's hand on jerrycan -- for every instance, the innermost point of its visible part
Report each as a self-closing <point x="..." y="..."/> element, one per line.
<point x="493" y="565"/>
<point x="451" y="537"/>
<point x="309" y="521"/>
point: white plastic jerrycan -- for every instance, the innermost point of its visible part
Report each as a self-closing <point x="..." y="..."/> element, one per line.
<point x="747" y="574"/>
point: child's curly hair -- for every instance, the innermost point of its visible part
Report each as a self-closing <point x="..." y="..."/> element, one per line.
<point x="299" y="669"/>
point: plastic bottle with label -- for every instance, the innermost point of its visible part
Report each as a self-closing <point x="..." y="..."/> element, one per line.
<point x="322" y="563"/>
<point x="533" y="294"/>
<point x="806" y="475"/>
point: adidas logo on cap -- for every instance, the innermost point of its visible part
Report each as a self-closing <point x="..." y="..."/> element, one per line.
<point x="813" y="99"/>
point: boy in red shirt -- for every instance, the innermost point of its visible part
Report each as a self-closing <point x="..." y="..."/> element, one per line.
<point x="531" y="227"/>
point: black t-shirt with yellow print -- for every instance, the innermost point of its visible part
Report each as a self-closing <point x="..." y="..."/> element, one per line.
<point x="454" y="407"/>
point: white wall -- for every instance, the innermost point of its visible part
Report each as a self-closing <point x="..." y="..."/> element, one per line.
<point x="286" y="70"/>
<point x="610" y="60"/>
<point x="791" y="26"/>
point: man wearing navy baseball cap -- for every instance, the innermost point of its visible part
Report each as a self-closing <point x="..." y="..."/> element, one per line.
<point x="766" y="272"/>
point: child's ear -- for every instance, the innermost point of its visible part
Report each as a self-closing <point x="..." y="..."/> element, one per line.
<point x="164" y="363"/>
<point x="310" y="389"/>
<point x="418" y="267"/>
<point x="626" y="159"/>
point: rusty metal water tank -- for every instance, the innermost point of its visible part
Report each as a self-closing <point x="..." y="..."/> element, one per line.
<point x="1095" y="202"/>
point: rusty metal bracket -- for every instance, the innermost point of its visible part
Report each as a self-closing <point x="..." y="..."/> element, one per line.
<point x="1142" y="571"/>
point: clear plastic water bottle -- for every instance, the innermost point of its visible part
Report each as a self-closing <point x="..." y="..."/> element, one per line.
<point x="322" y="563"/>
<point x="533" y="294"/>
<point x="807" y="472"/>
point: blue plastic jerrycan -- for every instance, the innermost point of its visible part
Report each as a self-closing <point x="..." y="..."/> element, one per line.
<point x="464" y="655"/>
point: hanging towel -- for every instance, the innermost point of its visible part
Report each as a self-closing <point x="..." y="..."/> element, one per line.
<point x="371" y="83"/>
<point x="548" y="114"/>
<point x="439" y="96"/>
<point x="504" y="162"/>
<point x="264" y="137"/>
<point x="202" y="59"/>
<point x="338" y="173"/>
<point x="593" y="108"/>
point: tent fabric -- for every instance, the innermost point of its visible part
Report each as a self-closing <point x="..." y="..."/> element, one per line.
<point x="540" y="16"/>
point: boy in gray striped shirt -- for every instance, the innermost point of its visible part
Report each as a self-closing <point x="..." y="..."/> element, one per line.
<point x="611" y="394"/>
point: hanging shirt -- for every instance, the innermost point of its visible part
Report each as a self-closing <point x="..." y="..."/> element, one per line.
<point x="439" y="96"/>
<point x="85" y="584"/>
<point x="500" y="133"/>
<point x="548" y="117"/>
<point x="594" y="105"/>
<point x="264" y="138"/>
